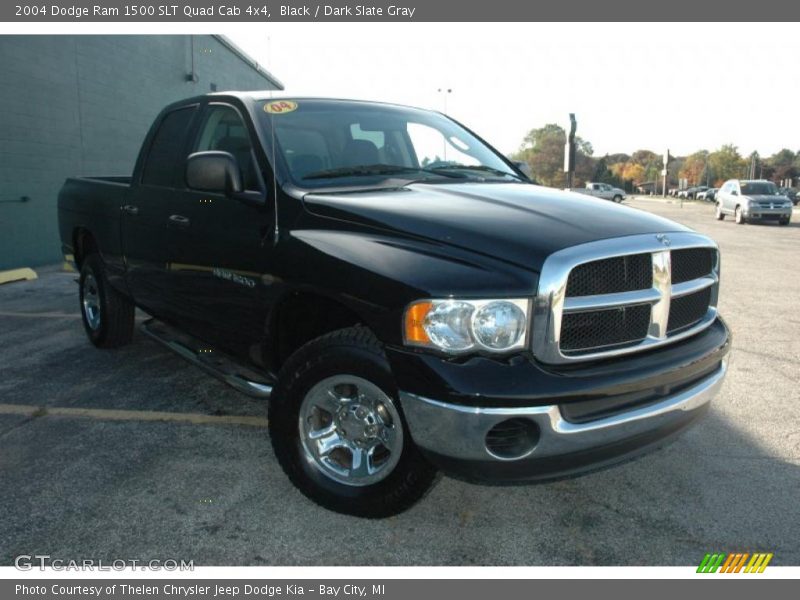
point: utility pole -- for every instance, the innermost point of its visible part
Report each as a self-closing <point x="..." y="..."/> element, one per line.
<point x="569" y="151"/>
<point x="665" y="161"/>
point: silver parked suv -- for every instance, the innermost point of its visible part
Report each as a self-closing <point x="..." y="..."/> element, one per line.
<point x="750" y="200"/>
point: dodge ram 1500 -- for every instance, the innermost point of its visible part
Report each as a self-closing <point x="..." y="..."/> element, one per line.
<point x="404" y="296"/>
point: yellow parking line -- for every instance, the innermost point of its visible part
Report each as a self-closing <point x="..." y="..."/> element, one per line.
<point x="103" y="414"/>
<point x="17" y="275"/>
<point x="32" y="315"/>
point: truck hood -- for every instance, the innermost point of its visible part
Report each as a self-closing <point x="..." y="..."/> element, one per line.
<point x="518" y="223"/>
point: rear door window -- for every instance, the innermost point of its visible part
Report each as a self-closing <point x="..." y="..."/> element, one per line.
<point x="161" y="166"/>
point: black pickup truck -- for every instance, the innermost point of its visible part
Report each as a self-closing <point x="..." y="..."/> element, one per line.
<point x="406" y="298"/>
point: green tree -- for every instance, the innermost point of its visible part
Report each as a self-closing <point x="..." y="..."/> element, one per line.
<point x="726" y="163"/>
<point x="782" y="165"/>
<point x="646" y="157"/>
<point x="675" y="166"/>
<point x="603" y="173"/>
<point x="619" y="157"/>
<point x="543" y="150"/>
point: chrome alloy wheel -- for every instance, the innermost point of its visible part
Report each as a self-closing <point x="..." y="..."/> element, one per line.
<point x="91" y="301"/>
<point x="350" y="430"/>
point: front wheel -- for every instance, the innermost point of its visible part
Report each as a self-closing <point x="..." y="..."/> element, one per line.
<point x="720" y="215"/>
<point x="784" y="221"/>
<point x="738" y="216"/>
<point x="617" y="199"/>
<point x="338" y="430"/>
<point x="108" y="316"/>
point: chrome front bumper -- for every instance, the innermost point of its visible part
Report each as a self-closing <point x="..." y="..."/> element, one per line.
<point x="459" y="432"/>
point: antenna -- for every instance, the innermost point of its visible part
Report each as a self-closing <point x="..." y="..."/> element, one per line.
<point x="274" y="169"/>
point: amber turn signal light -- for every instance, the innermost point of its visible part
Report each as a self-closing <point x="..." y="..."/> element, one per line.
<point x="414" y="319"/>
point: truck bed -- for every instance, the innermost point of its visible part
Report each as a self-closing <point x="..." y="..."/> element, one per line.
<point x="93" y="203"/>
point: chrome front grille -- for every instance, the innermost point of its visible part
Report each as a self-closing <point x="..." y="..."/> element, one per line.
<point x="624" y="295"/>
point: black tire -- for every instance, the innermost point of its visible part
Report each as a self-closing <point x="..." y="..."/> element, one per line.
<point x="355" y="352"/>
<point x="112" y="324"/>
<point x="719" y="214"/>
<point x="784" y="221"/>
<point x="617" y="199"/>
<point x="738" y="216"/>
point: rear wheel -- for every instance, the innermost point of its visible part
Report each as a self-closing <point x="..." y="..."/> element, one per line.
<point x="338" y="430"/>
<point x="107" y="315"/>
<point x="738" y="216"/>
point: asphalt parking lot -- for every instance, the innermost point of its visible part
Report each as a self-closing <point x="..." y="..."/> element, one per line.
<point x="135" y="454"/>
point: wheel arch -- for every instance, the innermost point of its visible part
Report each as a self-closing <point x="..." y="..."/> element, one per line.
<point x="83" y="243"/>
<point x="301" y="316"/>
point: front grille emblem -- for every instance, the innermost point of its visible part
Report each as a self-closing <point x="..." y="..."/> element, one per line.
<point x="662" y="237"/>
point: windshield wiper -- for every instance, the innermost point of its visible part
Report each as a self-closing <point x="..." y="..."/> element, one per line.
<point x="482" y="168"/>
<point x="367" y="170"/>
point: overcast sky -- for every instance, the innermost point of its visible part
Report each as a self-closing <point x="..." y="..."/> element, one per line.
<point x="632" y="86"/>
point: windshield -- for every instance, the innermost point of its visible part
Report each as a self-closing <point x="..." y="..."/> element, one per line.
<point x="327" y="143"/>
<point x="759" y="188"/>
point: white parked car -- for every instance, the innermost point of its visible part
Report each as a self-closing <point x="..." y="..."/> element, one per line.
<point x="601" y="190"/>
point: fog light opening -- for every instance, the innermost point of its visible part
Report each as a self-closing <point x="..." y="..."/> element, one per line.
<point x="512" y="439"/>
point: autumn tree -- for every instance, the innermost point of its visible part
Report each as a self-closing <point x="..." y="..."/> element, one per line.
<point x="641" y="166"/>
<point x="694" y="168"/>
<point x="633" y="172"/>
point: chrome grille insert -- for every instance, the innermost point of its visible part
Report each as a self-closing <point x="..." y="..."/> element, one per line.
<point x="611" y="275"/>
<point x="691" y="263"/>
<point x="588" y="330"/>
<point x="688" y="310"/>
<point x="612" y="306"/>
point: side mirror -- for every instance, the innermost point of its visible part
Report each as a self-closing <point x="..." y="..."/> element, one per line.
<point x="213" y="171"/>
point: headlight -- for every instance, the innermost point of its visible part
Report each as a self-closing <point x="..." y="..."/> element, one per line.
<point x="459" y="326"/>
<point x="499" y="325"/>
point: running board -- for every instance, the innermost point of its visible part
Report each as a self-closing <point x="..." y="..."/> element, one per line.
<point x="245" y="379"/>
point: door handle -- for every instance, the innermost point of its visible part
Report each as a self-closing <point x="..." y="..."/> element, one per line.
<point x="179" y="220"/>
<point x="131" y="209"/>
